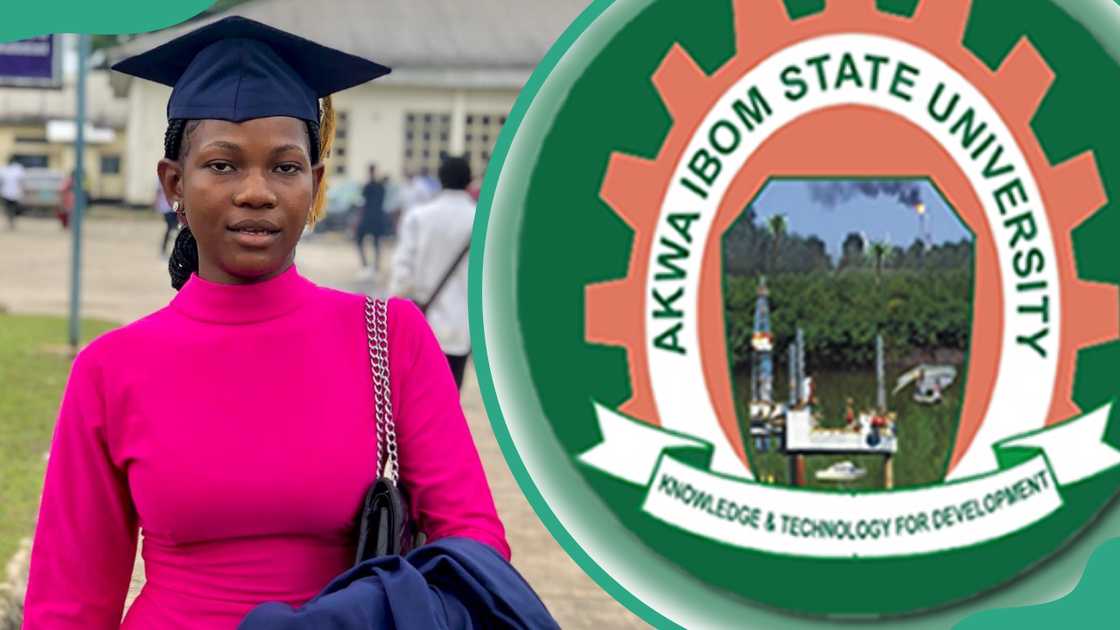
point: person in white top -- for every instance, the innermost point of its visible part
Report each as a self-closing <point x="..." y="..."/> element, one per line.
<point x="11" y="188"/>
<point x="430" y="261"/>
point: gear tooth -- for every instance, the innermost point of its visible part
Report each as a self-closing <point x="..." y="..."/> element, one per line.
<point x="1081" y="297"/>
<point x="680" y="81"/>
<point x="628" y="191"/>
<point x="1082" y="192"/>
<point x="850" y="9"/>
<point x="757" y="24"/>
<point x="609" y="305"/>
<point x="943" y="16"/>
<point x="1103" y="301"/>
<point x="1023" y="80"/>
<point x="608" y="321"/>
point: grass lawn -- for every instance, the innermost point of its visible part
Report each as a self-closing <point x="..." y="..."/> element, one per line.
<point x="34" y="365"/>
<point x="925" y="432"/>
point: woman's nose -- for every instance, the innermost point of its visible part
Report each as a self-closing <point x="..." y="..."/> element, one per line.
<point x="255" y="192"/>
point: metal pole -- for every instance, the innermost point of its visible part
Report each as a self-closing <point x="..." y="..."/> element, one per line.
<point x="880" y="375"/>
<point x="79" y="196"/>
<point x="794" y="397"/>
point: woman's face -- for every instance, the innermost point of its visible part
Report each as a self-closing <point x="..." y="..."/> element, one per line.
<point x="246" y="189"/>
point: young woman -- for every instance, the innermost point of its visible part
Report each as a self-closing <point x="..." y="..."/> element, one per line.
<point x="235" y="427"/>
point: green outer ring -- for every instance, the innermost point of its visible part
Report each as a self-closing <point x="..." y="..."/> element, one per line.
<point x="492" y="315"/>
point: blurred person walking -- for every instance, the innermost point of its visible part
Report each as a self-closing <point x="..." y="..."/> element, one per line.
<point x="475" y="189"/>
<point x="66" y="199"/>
<point x="373" y="222"/>
<point x="419" y="189"/>
<point x="429" y="263"/>
<point x="11" y="189"/>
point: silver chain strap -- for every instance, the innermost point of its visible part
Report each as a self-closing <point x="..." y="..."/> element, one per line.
<point x="377" y="329"/>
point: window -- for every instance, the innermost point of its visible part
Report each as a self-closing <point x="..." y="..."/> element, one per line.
<point x="110" y="164"/>
<point x="341" y="140"/>
<point x="31" y="160"/>
<point x="427" y="138"/>
<point x="481" y="134"/>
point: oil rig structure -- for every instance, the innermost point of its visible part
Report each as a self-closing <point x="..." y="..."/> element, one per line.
<point x="795" y="428"/>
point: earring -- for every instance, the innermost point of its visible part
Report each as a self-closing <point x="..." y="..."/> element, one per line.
<point x="177" y="208"/>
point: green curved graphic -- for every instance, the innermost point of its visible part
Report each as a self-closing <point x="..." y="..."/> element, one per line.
<point x="505" y="322"/>
<point x="28" y="19"/>
<point x="1091" y="602"/>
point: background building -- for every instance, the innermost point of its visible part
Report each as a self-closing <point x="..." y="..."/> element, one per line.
<point x="37" y="127"/>
<point x="457" y="69"/>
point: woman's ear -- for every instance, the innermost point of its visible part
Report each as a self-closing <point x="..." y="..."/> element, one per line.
<point x="170" y="175"/>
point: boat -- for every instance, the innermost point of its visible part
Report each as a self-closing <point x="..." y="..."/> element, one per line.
<point x="841" y="471"/>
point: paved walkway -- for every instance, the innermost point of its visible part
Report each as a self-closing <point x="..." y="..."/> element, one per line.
<point x="124" y="280"/>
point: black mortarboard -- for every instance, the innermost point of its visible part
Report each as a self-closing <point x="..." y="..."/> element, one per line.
<point x="238" y="69"/>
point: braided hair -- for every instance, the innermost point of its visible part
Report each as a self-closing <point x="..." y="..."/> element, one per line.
<point x="176" y="144"/>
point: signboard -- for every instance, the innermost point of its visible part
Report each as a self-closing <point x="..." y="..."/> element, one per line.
<point x="34" y="62"/>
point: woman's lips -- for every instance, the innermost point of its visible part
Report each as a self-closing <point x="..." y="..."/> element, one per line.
<point x="254" y="237"/>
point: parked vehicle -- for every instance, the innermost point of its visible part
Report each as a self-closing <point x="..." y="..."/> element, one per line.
<point x="42" y="188"/>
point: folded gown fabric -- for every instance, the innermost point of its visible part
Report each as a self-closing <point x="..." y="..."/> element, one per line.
<point x="452" y="584"/>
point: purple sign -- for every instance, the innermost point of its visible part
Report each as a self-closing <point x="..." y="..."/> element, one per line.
<point x="33" y="62"/>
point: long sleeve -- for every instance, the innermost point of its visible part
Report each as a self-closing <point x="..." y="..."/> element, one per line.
<point x="439" y="463"/>
<point x="403" y="280"/>
<point x="85" y="540"/>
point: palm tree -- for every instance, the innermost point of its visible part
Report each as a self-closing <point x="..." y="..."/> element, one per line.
<point x="880" y="253"/>
<point x="777" y="227"/>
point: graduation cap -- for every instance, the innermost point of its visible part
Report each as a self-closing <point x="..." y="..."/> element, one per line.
<point x="237" y="69"/>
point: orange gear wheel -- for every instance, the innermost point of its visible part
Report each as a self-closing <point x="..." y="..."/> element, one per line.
<point x="634" y="188"/>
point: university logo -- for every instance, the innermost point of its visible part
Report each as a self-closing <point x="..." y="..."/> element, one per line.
<point x="846" y="319"/>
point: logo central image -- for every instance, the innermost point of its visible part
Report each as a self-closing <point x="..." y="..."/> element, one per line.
<point x="888" y="324"/>
<point x="853" y="316"/>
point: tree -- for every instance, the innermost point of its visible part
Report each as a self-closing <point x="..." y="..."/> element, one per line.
<point x="851" y="253"/>
<point x="915" y="255"/>
<point x="813" y="255"/>
<point x="878" y="254"/>
<point x="777" y="226"/>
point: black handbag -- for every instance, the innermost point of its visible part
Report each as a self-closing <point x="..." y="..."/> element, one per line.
<point x="384" y="525"/>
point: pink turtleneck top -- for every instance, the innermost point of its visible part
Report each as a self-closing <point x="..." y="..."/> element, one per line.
<point x="235" y="428"/>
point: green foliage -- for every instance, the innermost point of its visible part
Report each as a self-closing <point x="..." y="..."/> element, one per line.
<point x="840" y="312"/>
<point x="919" y="297"/>
<point x="33" y="369"/>
<point x="750" y="249"/>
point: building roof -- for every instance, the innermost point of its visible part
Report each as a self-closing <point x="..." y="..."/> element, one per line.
<point x="417" y="38"/>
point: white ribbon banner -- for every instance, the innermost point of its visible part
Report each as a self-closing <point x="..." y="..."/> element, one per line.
<point x="831" y="524"/>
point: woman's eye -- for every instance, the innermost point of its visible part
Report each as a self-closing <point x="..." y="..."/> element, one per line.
<point x="288" y="169"/>
<point x="220" y="167"/>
